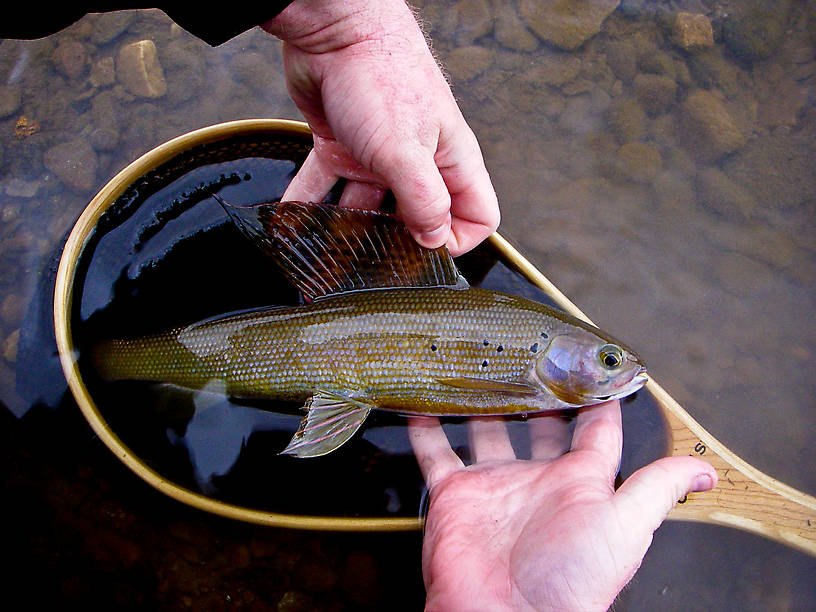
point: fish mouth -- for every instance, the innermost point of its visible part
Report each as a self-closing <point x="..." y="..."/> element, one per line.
<point x="637" y="381"/>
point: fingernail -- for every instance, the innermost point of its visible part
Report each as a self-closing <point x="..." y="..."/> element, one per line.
<point x="703" y="482"/>
<point x="434" y="238"/>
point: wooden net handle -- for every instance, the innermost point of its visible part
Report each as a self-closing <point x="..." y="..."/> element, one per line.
<point x="745" y="497"/>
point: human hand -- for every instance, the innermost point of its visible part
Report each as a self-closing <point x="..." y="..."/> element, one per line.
<point x="383" y="117"/>
<point x="549" y="533"/>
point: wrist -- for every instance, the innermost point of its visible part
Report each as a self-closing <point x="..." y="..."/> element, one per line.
<point x="322" y="26"/>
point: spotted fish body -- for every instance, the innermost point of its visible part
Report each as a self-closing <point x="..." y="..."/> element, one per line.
<point x="363" y="341"/>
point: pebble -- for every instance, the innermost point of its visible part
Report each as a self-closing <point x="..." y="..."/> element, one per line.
<point x="74" y="162"/>
<point x="627" y="120"/>
<point x="466" y="63"/>
<point x="139" y="71"/>
<point x="295" y="601"/>
<point x="719" y="193"/>
<point x="692" y="31"/>
<point x="20" y="188"/>
<point x="10" y="99"/>
<point x="10" y="346"/>
<point x="71" y="59"/>
<point x="754" y="28"/>
<point x="510" y="32"/>
<point x="103" y="72"/>
<point x="711" y="128"/>
<point x="474" y="19"/>
<point x="566" y="24"/>
<point x="639" y="162"/>
<point x="12" y="309"/>
<point x="710" y="69"/>
<point x="656" y="93"/>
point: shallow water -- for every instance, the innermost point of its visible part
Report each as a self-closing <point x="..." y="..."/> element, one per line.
<point x="695" y="247"/>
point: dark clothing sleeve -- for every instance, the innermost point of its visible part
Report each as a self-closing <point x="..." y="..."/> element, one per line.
<point x="20" y="20"/>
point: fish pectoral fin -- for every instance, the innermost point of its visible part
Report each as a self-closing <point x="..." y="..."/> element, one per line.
<point x="487" y="384"/>
<point x="331" y="420"/>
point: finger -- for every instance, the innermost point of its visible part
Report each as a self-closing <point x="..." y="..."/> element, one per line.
<point x="650" y="493"/>
<point x="489" y="439"/>
<point x="598" y="430"/>
<point x="423" y="201"/>
<point x="433" y="451"/>
<point x="474" y="206"/>
<point x="312" y="182"/>
<point x="549" y="436"/>
<point x="367" y="196"/>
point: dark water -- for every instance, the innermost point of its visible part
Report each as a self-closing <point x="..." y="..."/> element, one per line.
<point x="165" y="255"/>
<point x="702" y="258"/>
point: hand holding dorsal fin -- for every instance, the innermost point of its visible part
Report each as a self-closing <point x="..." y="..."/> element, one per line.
<point x="325" y="250"/>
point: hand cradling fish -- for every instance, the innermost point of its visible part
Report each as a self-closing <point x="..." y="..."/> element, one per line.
<point x="385" y="324"/>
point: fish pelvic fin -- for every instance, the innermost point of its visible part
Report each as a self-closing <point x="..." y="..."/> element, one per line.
<point x="324" y="249"/>
<point x="330" y="421"/>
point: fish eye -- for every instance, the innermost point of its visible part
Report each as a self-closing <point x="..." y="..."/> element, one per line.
<point x="611" y="356"/>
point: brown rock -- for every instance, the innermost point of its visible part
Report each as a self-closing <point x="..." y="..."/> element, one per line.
<point x="74" y="162"/>
<point x="720" y="194"/>
<point x="474" y="20"/>
<point x="466" y="63"/>
<point x="554" y="69"/>
<point x="103" y="72"/>
<point x="692" y="31"/>
<point x="639" y="162"/>
<point x="783" y="104"/>
<point x="754" y="28"/>
<point x="10" y="99"/>
<point x="627" y="120"/>
<point x="10" y="346"/>
<point x="139" y="71"/>
<point x="655" y="92"/>
<point x="12" y="309"/>
<point x="567" y="24"/>
<point x="710" y="128"/>
<point x="71" y="58"/>
<point x="511" y="33"/>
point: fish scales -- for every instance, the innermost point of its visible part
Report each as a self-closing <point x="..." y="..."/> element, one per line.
<point x="390" y="346"/>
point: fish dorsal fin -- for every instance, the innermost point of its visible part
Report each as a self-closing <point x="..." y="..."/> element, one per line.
<point x="324" y="249"/>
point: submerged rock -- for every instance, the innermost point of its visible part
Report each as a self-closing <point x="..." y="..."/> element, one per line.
<point x="474" y="20"/>
<point x="692" y="31"/>
<point x="638" y="162"/>
<point x="511" y="33"/>
<point x="627" y="120"/>
<point x="710" y="128"/>
<point x="74" y="162"/>
<point x="71" y="59"/>
<point x="10" y="99"/>
<point x="655" y="92"/>
<point x="567" y="24"/>
<point x="754" y="28"/>
<point x="139" y="71"/>
<point x="466" y="63"/>
<point x="720" y="194"/>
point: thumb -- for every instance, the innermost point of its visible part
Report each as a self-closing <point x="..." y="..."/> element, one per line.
<point x="423" y="200"/>
<point x="649" y="494"/>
